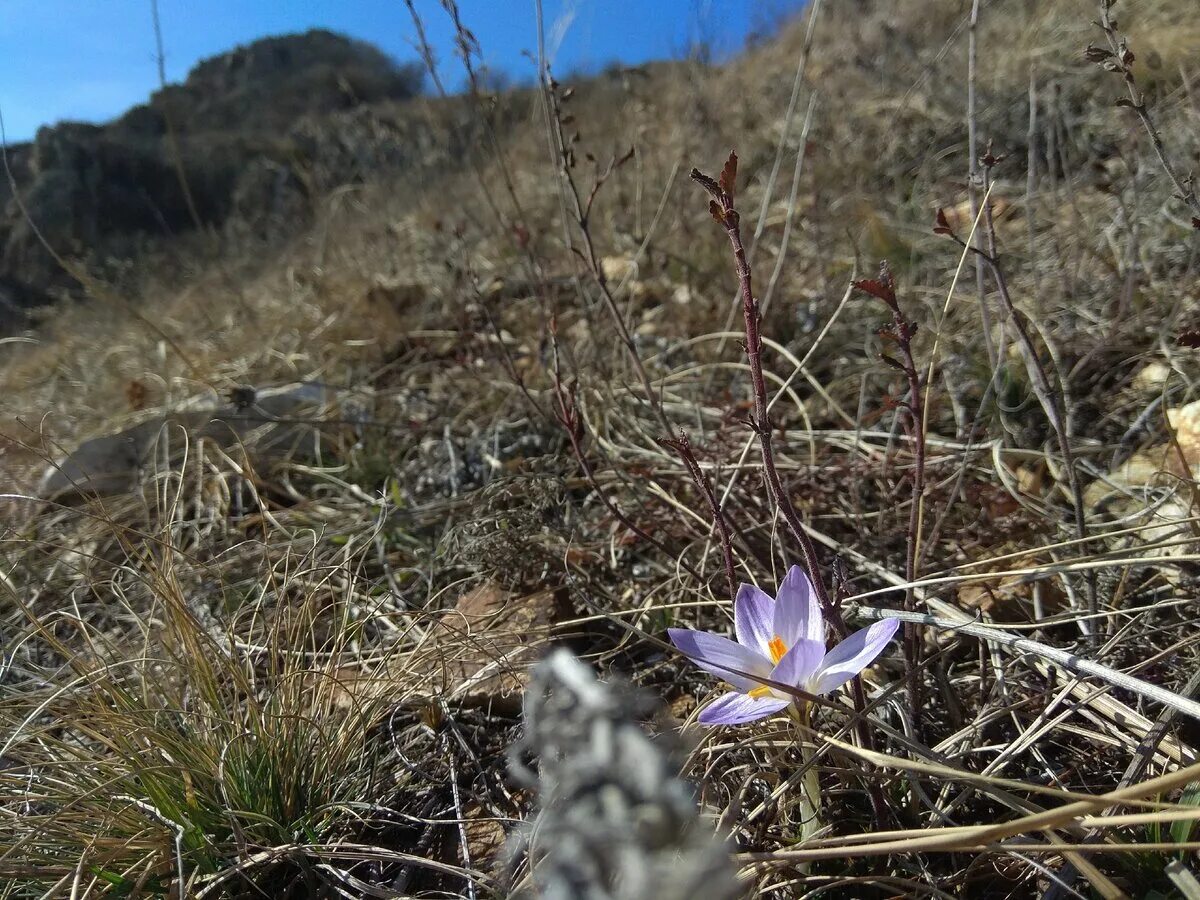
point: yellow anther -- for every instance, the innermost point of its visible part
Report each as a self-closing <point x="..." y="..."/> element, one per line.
<point x="777" y="649"/>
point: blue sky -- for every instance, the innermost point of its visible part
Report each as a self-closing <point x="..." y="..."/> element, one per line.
<point x="90" y="60"/>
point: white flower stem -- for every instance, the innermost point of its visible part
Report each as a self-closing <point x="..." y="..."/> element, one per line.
<point x="810" y="785"/>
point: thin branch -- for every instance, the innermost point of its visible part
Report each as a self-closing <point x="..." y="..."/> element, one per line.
<point x="581" y="210"/>
<point x="973" y="177"/>
<point x="721" y="206"/>
<point x="172" y="136"/>
<point x="1051" y="397"/>
<point x="682" y="446"/>
<point x="901" y="332"/>
<point x="1063" y="659"/>
<point x="567" y="414"/>
<point x="1119" y="59"/>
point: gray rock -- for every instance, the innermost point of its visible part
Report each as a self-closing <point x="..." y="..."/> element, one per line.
<point x="271" y="424"/>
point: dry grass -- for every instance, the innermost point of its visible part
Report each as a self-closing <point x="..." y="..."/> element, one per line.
<point x="166" y="656"/>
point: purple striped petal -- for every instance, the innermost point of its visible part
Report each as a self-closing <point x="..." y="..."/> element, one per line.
<point x="853" y="655"/>
<point x="754" y="619"/>
<point x="797" y="614"/>
<point x="737" y="709"/>
<point x="721" y="657"/>
<point x="799" y="664"/>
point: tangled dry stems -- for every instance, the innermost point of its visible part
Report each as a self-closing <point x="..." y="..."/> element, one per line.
<point x="186" y="680"/>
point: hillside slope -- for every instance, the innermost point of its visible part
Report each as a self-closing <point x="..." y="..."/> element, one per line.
<point x="298" y="636"/>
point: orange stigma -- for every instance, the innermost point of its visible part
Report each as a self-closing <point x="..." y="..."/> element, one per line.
<point x="777" y="649"/>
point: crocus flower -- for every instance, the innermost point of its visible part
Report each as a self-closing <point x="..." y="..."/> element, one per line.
<point x="780" y="640"/>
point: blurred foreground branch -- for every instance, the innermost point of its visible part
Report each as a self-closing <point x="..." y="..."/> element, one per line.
<point x="616" y="821"/>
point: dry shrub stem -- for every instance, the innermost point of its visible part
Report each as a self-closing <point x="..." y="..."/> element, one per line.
<point x="901" y="332"/>
<point x="722" y="208"/>
<point x="567" y="414"/>
<point x="1119" y="59"/>
<point x="682" y="446"/>
<point x="506" y="358"/>
<point x="468" y="46"/>
<point x="513" y="231"/>
<point x="581" y="211"/>
<point x="172" y="134"/>
<point x="1051" y="396"/>
<point x="973" y="178"/>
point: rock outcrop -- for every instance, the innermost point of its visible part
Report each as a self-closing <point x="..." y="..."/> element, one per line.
<point x="269" y="424"/>
<point x="254" y="134"/>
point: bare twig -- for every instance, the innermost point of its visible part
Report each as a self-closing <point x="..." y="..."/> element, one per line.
<point x="1118" y="59"/>
<point x="973" y="177"/>
<point x="682" y="446"/>
<point x="581" y="211"/>
<point x="723" y="211"/>
<point x="1050" y="396"/>
<point x="568" y="417"/>
<point x="721" y="206"/>
<point x="515" y="232"/>
<point x="172" y="134"/>
<point x="1063" y="659"/>
<point x="901" y="332"/>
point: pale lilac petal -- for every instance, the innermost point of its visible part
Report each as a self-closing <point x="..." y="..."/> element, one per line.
<point x="754" y="619"/>
<point x="853" y="655"/>
<point x="799" y="663"/>
<point x="797" y="614"/>
<point x="721" y="657"/>
<point x="737" y="709"/>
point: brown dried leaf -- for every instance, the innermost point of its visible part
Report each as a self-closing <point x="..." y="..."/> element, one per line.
<point x="136" y="394"/>
<point x="1189" y="337"/>
<point x="874" y="288"/>
<point x="706" y="182"/>
<point x="1010" y="597"/>
<point x="479" y="651"/>
<point x="729" y="176"/>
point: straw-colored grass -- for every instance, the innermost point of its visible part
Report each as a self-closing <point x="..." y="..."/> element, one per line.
<point x="181" y="668"/>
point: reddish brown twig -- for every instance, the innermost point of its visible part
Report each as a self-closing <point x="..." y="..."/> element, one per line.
<point x="721" y="206"/>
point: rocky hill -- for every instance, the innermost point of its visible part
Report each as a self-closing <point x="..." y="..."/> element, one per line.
<point x="242" y="143"/>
